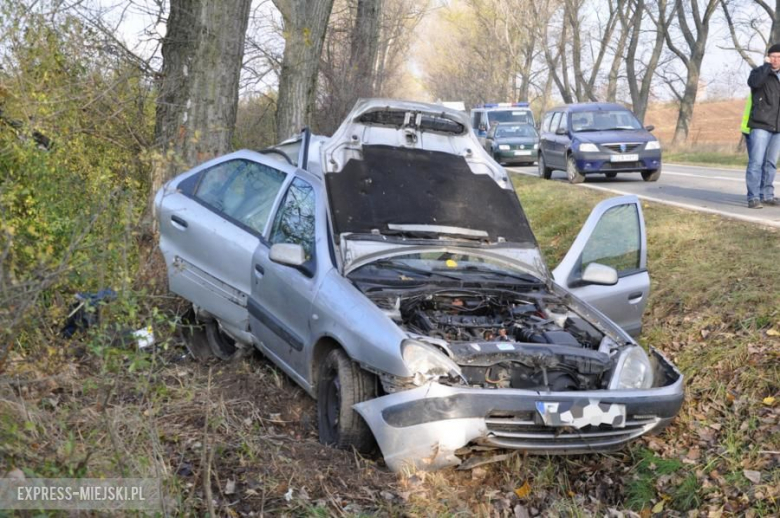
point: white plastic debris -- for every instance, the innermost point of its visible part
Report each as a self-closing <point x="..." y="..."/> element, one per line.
<point x="144" y="337"/>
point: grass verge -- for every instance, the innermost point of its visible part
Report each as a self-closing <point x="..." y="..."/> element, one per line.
<point x="706" y="155"/>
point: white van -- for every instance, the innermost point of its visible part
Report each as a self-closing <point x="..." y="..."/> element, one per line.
<point x="486" y="115"/>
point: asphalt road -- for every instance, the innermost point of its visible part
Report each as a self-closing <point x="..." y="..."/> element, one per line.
<point x="705" y="189"/>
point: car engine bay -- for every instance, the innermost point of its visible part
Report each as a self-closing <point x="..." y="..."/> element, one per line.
<point x="504" y="339"/>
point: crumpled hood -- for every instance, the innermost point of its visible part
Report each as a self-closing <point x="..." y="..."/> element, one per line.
<point x="396" y="165"/>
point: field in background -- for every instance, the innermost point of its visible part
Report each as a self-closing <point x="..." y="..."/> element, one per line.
<point x="714" y="122"/>
<point x="714" y="136"/>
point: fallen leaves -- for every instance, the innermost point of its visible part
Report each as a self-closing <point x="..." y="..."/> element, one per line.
<point x="524" y="490"/>
<point x="753" y="476"/>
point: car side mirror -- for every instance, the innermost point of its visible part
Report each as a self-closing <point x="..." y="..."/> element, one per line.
<point x="650" y="127"/>
<point x="560" y="131"/>
<point x="596" y="273"/>
<point x="289" y="254"/>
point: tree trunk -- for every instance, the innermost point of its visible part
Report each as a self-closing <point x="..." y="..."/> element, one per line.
<point x="640" y="90"/>
<point x="202" y="53"/>
<point x="685" y="114"/>
<point x="696" y="46"/>
<point x="305" y="23"/>
<point x="364" y="47"/>
<point x="775" y="35"/>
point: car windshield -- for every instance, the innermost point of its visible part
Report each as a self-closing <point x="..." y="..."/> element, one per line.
<point x="604" y="120"/>
<point x="445" y="264"/>
<point x="515" y="131"/>
<point x="516" y="116"/>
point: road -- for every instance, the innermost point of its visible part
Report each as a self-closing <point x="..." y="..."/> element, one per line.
<point x="705" y="189"/>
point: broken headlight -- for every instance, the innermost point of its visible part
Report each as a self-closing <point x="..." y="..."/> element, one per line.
<point x="633" y="370"/>
<point x="427" y="362"/>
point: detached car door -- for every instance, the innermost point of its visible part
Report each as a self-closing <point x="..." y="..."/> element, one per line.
<point x="211" y="221"/>
<point x="613" y="235"/>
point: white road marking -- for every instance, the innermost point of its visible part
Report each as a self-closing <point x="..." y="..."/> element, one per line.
<point x="707" y="176"/>
<point x="705" y="167"/>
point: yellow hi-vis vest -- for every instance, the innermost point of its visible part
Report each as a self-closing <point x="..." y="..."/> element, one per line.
<point x="746" y="116"/>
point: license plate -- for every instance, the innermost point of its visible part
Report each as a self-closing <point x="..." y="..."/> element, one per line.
<point x="522" y="153"/>
<point x="581" y="413"/>
<point x="624" y="158"/>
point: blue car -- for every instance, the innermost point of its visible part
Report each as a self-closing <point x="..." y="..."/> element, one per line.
<point x="597" y="138"/>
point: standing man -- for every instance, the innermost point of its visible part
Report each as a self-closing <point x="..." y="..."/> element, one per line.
<point x="764" y="123"/>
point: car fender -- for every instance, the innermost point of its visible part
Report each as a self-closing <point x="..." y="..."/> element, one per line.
<point x="343" y="314"/>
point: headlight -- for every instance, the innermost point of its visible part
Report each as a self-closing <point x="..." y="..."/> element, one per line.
<point x="536" y="146"/>
<point x="427" y="362"/>
<point x="503" y="147"/>
<point x="633" y="370"/>
<point x="653" y="144"/>
<point x="589" y="148"/>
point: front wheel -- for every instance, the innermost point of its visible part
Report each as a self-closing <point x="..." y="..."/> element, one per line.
<point x="572" y="172"/>
<point x="651" y="176"/>
<point x="341" y="384"/>
<point x="221" y="345"/>
<point x="544" y="171"/>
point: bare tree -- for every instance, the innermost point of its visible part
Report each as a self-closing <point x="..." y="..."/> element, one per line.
<point x="305" y="24"/>
<point x="695" y="39"/>
<point x="196" y="109"/>
<point x="633" y="22"/>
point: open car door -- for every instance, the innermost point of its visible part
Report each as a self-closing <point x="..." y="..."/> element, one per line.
<point x="614" y="235"/>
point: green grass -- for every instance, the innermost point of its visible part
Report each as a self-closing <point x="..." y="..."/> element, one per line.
<point x="706" y="155"/>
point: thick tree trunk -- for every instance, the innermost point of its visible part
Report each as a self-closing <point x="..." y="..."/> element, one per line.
<point x="202" y="53"/>
<point x="775" y="36"/>
<point x="305" y="23"/>
<point x="364" y="47"/>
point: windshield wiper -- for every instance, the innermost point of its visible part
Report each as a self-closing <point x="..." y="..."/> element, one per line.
<point x="527" y="279"/>
<point x="399" y="267"/>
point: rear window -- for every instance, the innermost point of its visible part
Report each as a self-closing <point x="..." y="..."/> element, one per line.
<point x="423" y="122"/>
<point x="517" y="116"/>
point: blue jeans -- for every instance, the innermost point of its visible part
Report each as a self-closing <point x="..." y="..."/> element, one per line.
<point x="763" y="149"/>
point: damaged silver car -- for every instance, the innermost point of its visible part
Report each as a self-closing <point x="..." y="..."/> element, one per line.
<point x="390" y="270"/>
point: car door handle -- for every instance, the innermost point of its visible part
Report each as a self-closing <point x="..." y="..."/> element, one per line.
<point x="179" y="222"/>
<point x="259" y="270"/>
<point x="635" y="297"/>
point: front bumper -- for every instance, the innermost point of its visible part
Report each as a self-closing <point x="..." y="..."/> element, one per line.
<point x="423" y="427"/>
<point x="601" y="162"/>
<point x="511" y="156"/>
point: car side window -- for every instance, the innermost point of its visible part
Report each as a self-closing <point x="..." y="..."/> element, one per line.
<point x="564" y="125"/>
<point x="242" y="190"/>
<point x="616" y="240"/>
<point x="555" y="121"/>
<point x="546" y="121"/>
<point x="294" y="221"/>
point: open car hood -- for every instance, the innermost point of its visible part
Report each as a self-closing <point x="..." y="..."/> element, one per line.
<point x="398" y="171"/>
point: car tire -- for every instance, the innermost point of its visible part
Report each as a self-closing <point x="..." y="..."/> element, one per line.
<point x="221" y="345"/>
<point x="572" y="172"/>
<point x="341" y="384"/>
<point x="651" y="176"/>
<point x="610" y="175"/>
<point x="193" y="334"/>
<point x="544" y="171"/>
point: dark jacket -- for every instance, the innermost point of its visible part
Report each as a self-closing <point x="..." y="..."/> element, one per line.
<point x="765" y="88"/>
